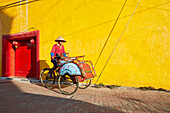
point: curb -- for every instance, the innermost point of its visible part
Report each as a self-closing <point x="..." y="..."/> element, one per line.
<point x="19" y="79"/>
<point x="92" y="85"/>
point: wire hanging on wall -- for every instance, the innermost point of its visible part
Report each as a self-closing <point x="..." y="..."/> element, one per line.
<point x="110" y="32"/>
<point x="118" y="41"/>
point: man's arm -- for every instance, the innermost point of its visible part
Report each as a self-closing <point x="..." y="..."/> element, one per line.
<point x="52" y="52"/>
<point x="64" y="53"/>
<point x="52" y="55"/>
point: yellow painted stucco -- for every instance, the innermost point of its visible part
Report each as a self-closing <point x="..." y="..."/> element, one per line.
<point x="141" y="58"/>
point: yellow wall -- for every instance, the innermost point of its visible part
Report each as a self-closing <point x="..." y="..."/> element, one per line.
<point x="142" y="56"/>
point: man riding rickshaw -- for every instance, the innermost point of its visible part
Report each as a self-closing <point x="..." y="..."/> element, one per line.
<point x="67" y="71"/>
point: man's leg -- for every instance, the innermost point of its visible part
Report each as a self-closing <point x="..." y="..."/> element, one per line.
<point x="55" y="63"/>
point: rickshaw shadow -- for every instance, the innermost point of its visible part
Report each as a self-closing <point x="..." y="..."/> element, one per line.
<point x="38" y="82"/>
<point x="53" y="88"/>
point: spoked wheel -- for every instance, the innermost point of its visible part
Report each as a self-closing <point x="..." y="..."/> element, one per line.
<point x="68" y="84"/>
<point x="85" y="84"/>
<point x="45" y="78"/>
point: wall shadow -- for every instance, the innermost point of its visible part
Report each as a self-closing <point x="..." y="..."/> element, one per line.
<point x="5" y="23"/>
<point x="5" y="27"/>
<point x="14" y="100"/>
<point x="43" y="64"/>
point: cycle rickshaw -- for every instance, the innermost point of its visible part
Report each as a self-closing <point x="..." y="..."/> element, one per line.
<point x="70" y="75"/>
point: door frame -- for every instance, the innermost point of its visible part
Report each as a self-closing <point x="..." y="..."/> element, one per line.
<point x="15" y="36"/>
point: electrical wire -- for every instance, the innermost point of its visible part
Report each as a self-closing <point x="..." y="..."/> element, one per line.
<point x="118" y="41"/>
<point x="2" y="7"/>
<point x="110" y="32"/>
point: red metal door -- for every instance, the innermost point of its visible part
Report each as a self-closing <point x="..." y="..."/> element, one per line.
<point x="25" y="61"/>
<point x="22" y="61"/>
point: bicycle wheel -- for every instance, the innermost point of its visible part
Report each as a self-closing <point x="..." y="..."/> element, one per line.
<point x="85" y="84"/>
<point x="68" y="84"/>
<point x="45" y="79"/>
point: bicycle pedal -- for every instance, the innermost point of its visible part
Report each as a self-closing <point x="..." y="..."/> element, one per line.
<point x="74" y="82"/>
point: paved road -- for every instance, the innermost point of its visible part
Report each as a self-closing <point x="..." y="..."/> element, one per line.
<point x="25" y="97"/>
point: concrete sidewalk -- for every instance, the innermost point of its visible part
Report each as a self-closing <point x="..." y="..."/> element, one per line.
<point x="22" y="97"/>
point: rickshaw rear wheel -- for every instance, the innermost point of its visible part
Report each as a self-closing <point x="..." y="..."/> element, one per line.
<point x="85" y="84"/>
<point x="68" y="84"/>
<point x="45" y="79"/>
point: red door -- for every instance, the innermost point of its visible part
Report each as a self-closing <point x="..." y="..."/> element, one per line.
<point x="22" y="61"/>
<point x="25" y="61"/>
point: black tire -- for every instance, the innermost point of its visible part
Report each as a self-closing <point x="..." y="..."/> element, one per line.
<point x="67" y="84"/>
<point x="45" y="80"/>
<point x="85" y="84"/>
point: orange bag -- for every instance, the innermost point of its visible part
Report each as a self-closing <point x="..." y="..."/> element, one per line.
<point x="86" y="72"/>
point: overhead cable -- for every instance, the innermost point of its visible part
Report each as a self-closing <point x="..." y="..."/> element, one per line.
<point x="118" y="41"/>
<point x="110" y="33"/>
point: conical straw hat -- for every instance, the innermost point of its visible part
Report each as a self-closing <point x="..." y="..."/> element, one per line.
<point x="60" y="39"/>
